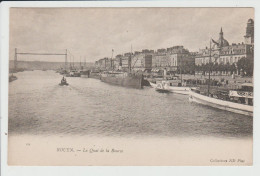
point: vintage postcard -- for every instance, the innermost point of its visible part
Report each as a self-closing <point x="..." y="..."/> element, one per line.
<point x="131" y="86"/>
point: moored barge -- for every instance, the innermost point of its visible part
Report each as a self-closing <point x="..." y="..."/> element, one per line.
<point x="124" y="79"/>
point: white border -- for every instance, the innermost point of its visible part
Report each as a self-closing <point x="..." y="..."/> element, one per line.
<point x="130" y="170"/>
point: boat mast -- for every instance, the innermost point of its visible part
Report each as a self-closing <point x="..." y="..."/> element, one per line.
<point x="80" y="63"/>
<point x="85" y="61"/>
<point x="130" y="60"/>
<point x="112" y="65"/>
<point x="15" y="61"/>
<point x="73" y="63"/>
<point x="66" y="61"/>
<point x="70" y="62"/>
<point x="209" y="65"/>
<point x="181" y="69"/>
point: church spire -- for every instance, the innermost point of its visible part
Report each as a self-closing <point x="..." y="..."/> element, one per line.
<point x="221" y="34"/>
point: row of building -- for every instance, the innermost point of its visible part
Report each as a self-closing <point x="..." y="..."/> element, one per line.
<point x="170" y="59"/>
<point x="177" y="57"/>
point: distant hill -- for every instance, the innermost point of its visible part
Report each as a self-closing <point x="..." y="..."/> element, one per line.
<point x="39" y="65"/>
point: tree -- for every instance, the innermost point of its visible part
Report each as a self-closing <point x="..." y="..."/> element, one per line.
<point x="233" y="68"/>
<point x="221" y="67"/>
<point x="215" y="67"/>
<point x="203" y="68"/>
<point x="246" y="65"/>
<point x="227" y="67"/>
<point x="189" y="67"/>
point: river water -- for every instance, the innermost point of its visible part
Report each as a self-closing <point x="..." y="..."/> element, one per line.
<point x="38" y="105"/>
<point x="143" y="122"/>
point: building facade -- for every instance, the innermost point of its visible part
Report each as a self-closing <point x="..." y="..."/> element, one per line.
<point x="222" y="53"/>
<point x="142" y="61"/>
<point x="172" y="59"/>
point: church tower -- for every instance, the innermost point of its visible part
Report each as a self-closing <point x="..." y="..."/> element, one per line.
<point x="221" y="34"/>
<point x="221" y="41"/>
<point x="249" y="37"/>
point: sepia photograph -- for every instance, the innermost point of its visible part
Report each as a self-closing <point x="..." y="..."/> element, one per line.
<point x="131" y="86"/>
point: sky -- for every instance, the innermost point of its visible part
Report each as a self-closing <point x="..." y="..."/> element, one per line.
<point x="91" y="33"/>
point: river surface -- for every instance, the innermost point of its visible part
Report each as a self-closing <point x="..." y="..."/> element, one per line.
<point x="39" y="106"/>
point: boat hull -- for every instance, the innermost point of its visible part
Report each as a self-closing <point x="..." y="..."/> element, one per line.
<point x="180" y="90"/>
<point x="94" y="75"/>
<point x="153" y="85"/>
<point x="84" y="76"/>
<point x="127" y="81"/>
<point x="221" y="104"/>
<point x="163" y="90"/>
<point x="63" y="84"/>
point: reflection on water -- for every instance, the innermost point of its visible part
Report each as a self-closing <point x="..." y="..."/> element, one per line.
<point x="38" y="105"/>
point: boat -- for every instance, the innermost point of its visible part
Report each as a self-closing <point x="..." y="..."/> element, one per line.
<point x="63" y="82"/>
<point x="154" y="85"/>
<point x="172" y="83"/>
<point x="169" y="86"/>
<point x="243" y="95"/>
<point x="180" y="90"/>
<point x="125" y="79"/>
<point x="73" y="73"/>
<point x="162" y="87"/>
<point x="94" y="74"/>
<point x="85" y="73"/>
<point x="132" y="80"/>
<point x="238" y="101"/>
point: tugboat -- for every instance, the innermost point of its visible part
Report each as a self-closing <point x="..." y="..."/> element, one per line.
<point x="63" y="82"/>
<point x="168" y="86"/>
<point x="161" y="87"/>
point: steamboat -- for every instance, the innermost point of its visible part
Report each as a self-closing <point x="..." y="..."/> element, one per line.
<point x="238" y="100"/>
